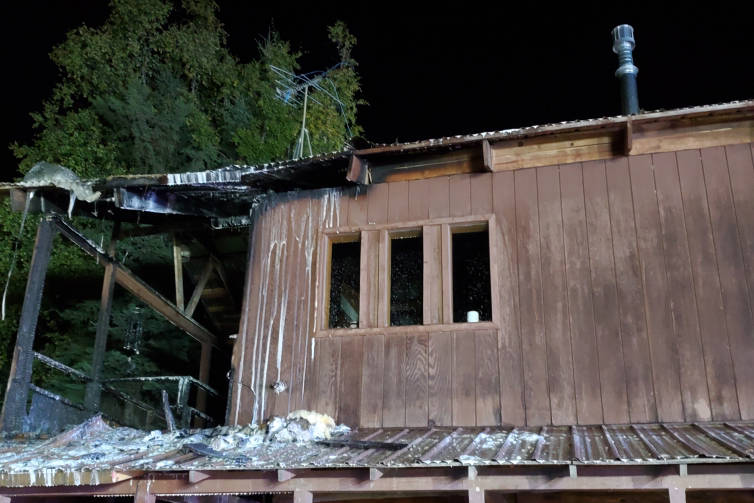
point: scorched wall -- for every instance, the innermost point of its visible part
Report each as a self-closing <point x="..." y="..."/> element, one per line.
<point x="622" y="291"/>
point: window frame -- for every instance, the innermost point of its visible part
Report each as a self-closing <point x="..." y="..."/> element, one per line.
<point x="374" y="291"/>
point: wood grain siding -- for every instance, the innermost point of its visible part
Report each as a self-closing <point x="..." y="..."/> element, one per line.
<point x="623" y="292"/>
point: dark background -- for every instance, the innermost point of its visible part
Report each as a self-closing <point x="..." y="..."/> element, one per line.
<point x="438" y="71"/>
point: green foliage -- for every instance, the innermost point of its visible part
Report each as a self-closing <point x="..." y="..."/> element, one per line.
<point x="152" y="90"/>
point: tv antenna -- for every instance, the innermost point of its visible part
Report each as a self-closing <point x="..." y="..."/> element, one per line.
<point x="293" y="90"/>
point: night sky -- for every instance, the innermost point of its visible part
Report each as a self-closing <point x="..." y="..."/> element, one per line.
<point x="438" y="72"/>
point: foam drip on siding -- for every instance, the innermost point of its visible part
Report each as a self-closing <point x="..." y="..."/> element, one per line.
<point x="286" y="224"/>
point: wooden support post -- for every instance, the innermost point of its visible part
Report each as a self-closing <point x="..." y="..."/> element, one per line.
<point x="178" y="271"/>
<point x="301" y="496"/>
<point x="17" y="391"/>
<point x="204" y="368"/>
<point x="677" y="494"/>
<point x="93" y="388"/>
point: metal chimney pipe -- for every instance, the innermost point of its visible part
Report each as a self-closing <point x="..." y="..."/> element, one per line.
<point x="623" y="46"/>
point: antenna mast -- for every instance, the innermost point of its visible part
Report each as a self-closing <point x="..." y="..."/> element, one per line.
<point x="293" y="90"/>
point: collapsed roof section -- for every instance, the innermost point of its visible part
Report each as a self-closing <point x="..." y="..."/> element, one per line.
<point x="224" y="197"/>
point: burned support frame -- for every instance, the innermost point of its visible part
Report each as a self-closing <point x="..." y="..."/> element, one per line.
<point x="19" y="382"/>
<point x="17" y="392"/>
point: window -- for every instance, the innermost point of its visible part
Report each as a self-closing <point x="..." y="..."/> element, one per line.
<point x="344" y="284"/>
<point x="471" y="274"/>
<point x="406" y="286"/>
<point x="434" y="273"/>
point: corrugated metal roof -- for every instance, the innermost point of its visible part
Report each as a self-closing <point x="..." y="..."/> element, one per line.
<point x="104" y="450"/>
<point x="261" y="173"/>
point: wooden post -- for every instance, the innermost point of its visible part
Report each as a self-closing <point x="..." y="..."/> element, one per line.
<point x="178" y="271"/>
<point x="93" y="388"/>
<point x="204" y="367"/>
<point x="17" y="391"/>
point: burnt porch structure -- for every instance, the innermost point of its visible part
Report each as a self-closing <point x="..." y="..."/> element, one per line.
<point x="14" y="415"/>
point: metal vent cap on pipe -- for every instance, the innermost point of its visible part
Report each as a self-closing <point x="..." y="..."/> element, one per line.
<point x="623" y="46"/>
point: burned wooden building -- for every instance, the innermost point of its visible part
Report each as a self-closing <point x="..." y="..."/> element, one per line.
<point x="560" y="311"/>
<point x="552" y="313"/>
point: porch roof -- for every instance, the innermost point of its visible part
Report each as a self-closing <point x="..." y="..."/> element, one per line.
<point x="94" y="453"/>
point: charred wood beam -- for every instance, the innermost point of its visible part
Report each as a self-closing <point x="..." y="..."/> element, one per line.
<point x="17" y="391"/>
<point x="358" y="170"/>
<point x="136" y="286"/>
<point x="170" y="422"/>
<point x="93" y="389"/>
<point x="62" y="367"/>
<point x="204" y="368"/>
<point x="363" y="444"/>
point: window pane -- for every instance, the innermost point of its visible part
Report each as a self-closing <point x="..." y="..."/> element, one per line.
<point x="344" y="285"/>
<point x="471" y="275"/>
<point x="406" y="286"/>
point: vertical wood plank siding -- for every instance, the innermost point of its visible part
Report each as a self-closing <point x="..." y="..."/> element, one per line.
<point x="624" y="292"/>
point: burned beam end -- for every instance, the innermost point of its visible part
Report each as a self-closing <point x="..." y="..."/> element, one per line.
<point x="487" y="156"/>
<point x="358" y="170"/>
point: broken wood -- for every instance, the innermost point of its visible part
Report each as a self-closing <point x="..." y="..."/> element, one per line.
<point x="364" y="444"/>
<point x="17" y="391"/>
<point x="169" y="420"/>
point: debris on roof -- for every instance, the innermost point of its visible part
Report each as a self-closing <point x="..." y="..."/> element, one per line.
<point x="96" y="453"/>
<point x="45" y="174"/>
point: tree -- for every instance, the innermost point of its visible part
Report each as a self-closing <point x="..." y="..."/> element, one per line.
<point x="153" y="90"/>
